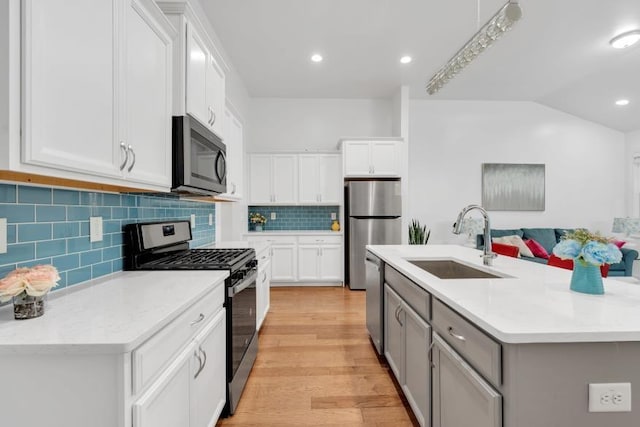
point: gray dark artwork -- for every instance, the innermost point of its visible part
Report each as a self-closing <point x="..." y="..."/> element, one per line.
<point x="513" y="187"/>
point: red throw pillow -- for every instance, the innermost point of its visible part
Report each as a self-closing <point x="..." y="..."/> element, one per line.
<point x="536" y="249"/>
<point x="619" y="243"/>
<point x="502" y="249"/>
<point x="568" y="264"/>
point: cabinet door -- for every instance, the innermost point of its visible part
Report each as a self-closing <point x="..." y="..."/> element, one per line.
<point x="260" y="179"/>
<point x="69" y="83"/>
<point x="417" y="370"/>
<point x="215" y="95"/>
<point x="147" y="106"/>
<point x="284" y="178"/>
<point x="208" y="388"/>
<point x="167" y="402"/>
<point x="308" y="166"/>
<point x="329" y="179"/>
<point x="262" y="293"/>
<point x="384" y="158"/>
<point x="197" y="58"/>
<point x="461" y="398"/>
<point x="356" y="158"/>
<point x="283" y="263"/>
<point x="235" y="155"/>
<point x="308" y="256"/>
<point x="393" y="332"/>
<point x="331" y="262"/>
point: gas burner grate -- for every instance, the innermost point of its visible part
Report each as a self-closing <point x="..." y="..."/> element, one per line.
<point x="202" y="258"/>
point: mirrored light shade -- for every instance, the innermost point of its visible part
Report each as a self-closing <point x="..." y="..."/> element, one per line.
<point x="499" y="24"/>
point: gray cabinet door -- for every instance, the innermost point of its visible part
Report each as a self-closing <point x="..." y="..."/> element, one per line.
<point x="461" y="398"/>
<point x="416" y="386"/>
<point x="393" y="332"/>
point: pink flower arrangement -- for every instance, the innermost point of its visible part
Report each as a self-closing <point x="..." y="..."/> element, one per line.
<point x="35" y="281"/>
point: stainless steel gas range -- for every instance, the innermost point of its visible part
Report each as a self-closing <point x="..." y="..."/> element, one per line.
<point x="165" y="246"/>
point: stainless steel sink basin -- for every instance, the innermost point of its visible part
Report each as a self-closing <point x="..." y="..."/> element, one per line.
<point x="449" y="269"/>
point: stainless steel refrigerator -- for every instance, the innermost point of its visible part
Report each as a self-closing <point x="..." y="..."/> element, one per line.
<point x="374" y="210"/>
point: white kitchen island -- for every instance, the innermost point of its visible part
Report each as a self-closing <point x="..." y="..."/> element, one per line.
<point x="138" y="349"/>
<point x="516" y="351"/>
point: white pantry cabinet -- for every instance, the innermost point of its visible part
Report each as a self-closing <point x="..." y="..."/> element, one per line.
<point x="234" y="136"/>
<point x="110" y="75"/>
<point x="371" y="158"/>
<point x="273" y="179"/>
<point x="320" y="179"/>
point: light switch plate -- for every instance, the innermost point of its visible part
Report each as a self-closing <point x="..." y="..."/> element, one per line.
<point x="193" y="221"/>
<point x="610" y="397"/>
<point x="210" y="219"/>
<point x="95" y="229"/>
<point x="333" y="215"/>
<point x="3" y="235"/>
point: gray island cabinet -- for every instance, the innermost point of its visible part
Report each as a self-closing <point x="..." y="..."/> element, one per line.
<point x="519" y="350"/>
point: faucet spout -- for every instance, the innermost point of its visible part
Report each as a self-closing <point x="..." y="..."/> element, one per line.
<point x="487" y="255"/>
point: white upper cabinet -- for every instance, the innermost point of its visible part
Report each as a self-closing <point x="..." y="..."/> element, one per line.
<point x="205" y="80"/>
<point x="273" y="178"/>
<point x="320" y="179"/>
<point x="371" y="158"/>
<point x="110" y="75"/>
<point x="234" y="141"/>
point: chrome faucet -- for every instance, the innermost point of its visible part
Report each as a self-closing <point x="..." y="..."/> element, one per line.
<point x="487" y="255"/>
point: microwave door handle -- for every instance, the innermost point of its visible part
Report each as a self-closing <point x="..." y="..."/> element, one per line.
<point x="222" y="177"/>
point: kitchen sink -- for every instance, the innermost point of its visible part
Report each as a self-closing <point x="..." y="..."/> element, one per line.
<point x="449" y="269"/>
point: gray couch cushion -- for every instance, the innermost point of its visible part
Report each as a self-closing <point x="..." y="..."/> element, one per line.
<point x="545" y="236"/>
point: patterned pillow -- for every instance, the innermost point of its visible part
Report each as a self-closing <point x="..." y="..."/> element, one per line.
<point x="515" y="241"/>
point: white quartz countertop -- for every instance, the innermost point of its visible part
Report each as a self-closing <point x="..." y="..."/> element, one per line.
<point x="294" y="233"/>
<point x="534" y="305"/>
<point x="113" y="315"/>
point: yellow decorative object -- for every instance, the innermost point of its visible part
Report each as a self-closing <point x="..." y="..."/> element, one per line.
<point x="335" y="225"/>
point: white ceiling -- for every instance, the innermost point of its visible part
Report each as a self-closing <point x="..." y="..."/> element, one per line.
<point x="558" y="55"/>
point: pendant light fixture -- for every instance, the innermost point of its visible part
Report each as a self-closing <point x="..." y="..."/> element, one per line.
<point x="499" y="24"/>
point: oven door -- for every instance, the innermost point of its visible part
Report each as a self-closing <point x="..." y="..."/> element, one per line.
<point x="242" y="305"/>
<point x="199" y="158"/>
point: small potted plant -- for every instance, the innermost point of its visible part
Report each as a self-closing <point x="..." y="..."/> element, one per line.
<point x="258" y="220"/>
<point x="28" y="287"/>
<point x="418" y="234"/>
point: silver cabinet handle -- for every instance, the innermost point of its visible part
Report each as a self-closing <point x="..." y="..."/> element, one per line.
<point x="373" y="169"/>
<point x="456" y="336"/>
<point x="397" y="314"/>
<point x="133" y="162"/>
<point x="204" y="354"/>
<point x="123" y="147"/>
<point x="197" y="356"/>
<point x="213" y="119"/>
<point x="198" y="320"/>
<point x="210" y="116"/>
<point x="264" y="279"/>
<point x="400" y="321"/>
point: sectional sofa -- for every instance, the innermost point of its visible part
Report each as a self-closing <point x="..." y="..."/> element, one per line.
<point x="549" y="237"/>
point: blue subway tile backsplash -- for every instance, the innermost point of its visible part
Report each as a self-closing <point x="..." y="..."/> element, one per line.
<point x="51" y="226"/>
<point x="296" y="217"/>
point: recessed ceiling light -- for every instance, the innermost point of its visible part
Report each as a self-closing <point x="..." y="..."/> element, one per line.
<point x="316" y="57"/>
<point x="625" y="40"/>
<point x="622" y="102"/>
<point x="406" y="59"/>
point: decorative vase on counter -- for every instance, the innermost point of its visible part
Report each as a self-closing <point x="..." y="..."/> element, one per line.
<point x="257" y="227"/>
<point x="27" y="307"/>
<point x="335" y="225"/>
<point x="586" y="278"/>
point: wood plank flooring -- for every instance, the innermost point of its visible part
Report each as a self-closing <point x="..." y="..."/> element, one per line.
<point x="317" y="367"/>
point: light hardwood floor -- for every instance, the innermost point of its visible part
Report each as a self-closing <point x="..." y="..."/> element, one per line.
<point x="317" y="367"/>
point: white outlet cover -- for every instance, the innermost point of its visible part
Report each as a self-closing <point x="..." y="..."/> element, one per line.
<point x="210" y="219"/>
<point x="333" y="215"/>
<point x="273" y="215"/>
<point x="3" y="235"/>
<point x="95" y="229"/>
<point x="610" y="397"/>
<point x="193" y="220"/>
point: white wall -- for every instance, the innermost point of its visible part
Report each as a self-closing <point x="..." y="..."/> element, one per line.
<point x="449" y="140"/>
<point x="284" y="124"/>
<point x="632" y="164"/>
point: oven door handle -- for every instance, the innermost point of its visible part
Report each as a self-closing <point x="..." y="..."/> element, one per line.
<point x="233" y="291"/>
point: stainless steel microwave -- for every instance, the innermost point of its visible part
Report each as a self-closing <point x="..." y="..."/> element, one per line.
<point x="199" y="158"/>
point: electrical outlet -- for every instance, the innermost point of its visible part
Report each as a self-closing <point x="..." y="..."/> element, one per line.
<point x="95" y="229"/>
<point x="3" y="235"/>
<point x="193" y="221"/>
<point x="610" y="397"/>
<point x="210" y="219"/>
<point x="273" y="215"/>
<point x="333" y="215"/>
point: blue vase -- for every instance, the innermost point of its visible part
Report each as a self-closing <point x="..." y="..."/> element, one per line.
<point x="586" y="278"/>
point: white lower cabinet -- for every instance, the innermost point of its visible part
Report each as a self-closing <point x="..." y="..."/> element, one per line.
<point x="283" y="262"/>
<point x="191" y="391"/>
<point x="263" y="285"/>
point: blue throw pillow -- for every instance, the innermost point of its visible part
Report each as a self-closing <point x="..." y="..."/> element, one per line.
<point x="545" y="236"/>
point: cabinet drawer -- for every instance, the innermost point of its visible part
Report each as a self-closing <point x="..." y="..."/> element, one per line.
<point x="416" y="297"/>
<point x="274" y="240"/>
<point x="480" y="351"/>
<point x="158" y="351"/>
<point x="320" y="240"/>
